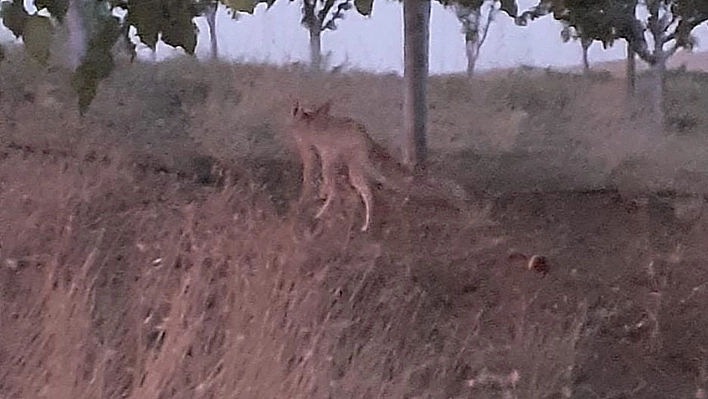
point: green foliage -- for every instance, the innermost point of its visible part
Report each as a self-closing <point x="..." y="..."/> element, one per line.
<point x="35" y="30"/>
<point x="364" y="7"/>
<point x="140" y="15"/>
<point x="327" y="16"/>
<point x="589" y="19"/>
<point x="14" y="16"/>
<point x="96" y="14"/>
<point x="56" y="8"/>
<point x="37" y="37"/>
<point x="609" y="20"/>
<point x="178" y="29"/>
<point x="171" y="18"/>
<point x="98" y="62"/>
<point x="247" y="6"/>
<point x="566" y="33"/>
<point x="693" y="13"/>
<point x="508" y="7"/>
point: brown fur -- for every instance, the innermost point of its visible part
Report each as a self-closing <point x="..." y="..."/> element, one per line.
<point x="342" y="140"/>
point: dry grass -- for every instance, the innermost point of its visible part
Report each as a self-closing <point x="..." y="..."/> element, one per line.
<point x="130" y="270"/>
<point x="185" y="291"/>
<point x="563" y="130"/>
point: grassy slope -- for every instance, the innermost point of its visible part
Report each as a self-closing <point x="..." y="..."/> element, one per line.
<point x="564" y="131"/>
<point x="127" y="281"/>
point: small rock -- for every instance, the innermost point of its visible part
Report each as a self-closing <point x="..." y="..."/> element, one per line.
<point x="11" y="264"/>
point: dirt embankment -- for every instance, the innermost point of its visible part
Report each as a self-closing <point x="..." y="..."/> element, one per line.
<point x="121" y="281"/>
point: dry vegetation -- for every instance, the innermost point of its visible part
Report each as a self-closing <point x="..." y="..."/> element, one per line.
<point x="150" y="250"/>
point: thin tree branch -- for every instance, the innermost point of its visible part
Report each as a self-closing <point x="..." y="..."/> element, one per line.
<point x="324" y="11"/>
<point x="485" y="31"/>
<point x="309" y="19"/>
<point x="671" y="51"/>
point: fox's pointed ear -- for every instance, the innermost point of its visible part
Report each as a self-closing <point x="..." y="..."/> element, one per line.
<point x="296" y="107"/>
<point x="324" y="108"/>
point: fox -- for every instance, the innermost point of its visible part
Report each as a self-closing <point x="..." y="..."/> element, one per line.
<point x="343" y="140"/>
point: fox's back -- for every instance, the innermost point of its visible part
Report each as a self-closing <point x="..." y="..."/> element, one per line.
<point x="342" y="132"/>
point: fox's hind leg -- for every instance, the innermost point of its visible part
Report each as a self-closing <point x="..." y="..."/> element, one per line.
<point x="358" y="181"/>
<point x="308" y="158"/>
<point x="328" y="180"/>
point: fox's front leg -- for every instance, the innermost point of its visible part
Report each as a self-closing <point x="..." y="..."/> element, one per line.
<point x="307" y="171"/>
<point x="323" y="190"/>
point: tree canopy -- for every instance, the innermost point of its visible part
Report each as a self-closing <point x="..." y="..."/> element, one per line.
<point x="508" y="6"/>
<point x="168" y="20"/>
<point x="172" y="21"/>
<point x="670" y="21"/>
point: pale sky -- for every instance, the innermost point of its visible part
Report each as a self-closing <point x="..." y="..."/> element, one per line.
<point x="376" y="43"/>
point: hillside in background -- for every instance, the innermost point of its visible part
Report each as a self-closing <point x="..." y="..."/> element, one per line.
<point x="693" y="61"/>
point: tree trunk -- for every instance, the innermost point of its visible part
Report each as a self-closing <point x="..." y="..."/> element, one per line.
<point x="472" y="50"/>
<point x="657" y="76"/>
<point x="211" y="21"/>
<point x="475" y="27"/>
<point x="77" y="34"/>
<point x="631" y="71"/>
<point x="657" y="25"/>
<point x="124" y="47"/>
<point x="470" y="19"/>
<point x="586" y="62"/>
<point x="416" y="18"/>
<point x="316" y="48"/>
<point x="129" y="45"/>
<point x="657" y="91"/>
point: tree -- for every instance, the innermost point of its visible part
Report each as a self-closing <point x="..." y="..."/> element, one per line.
<point x="568" y="32"/>
<point x="476" y="18"/>
<point x="208" y="8"/>
<point x="416" y="20"/>
<point x="321" y="15"/>
<point x="34" y="30"/>
<point x="93" y="31"/>
<point x="124" y="41"/>
<point x="588" y="21"/>
<point x="631" y="71"/>
<point x="168" y="20"/>
<point x="475" y="26"/>
<point x="669" y="24"/>
<point x="100" y="30"/>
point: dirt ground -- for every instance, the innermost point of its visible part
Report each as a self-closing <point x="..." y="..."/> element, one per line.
<point x="185" y="275"/>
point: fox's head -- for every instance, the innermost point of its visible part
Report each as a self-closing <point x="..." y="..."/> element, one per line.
<point x="301" y="113"/>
